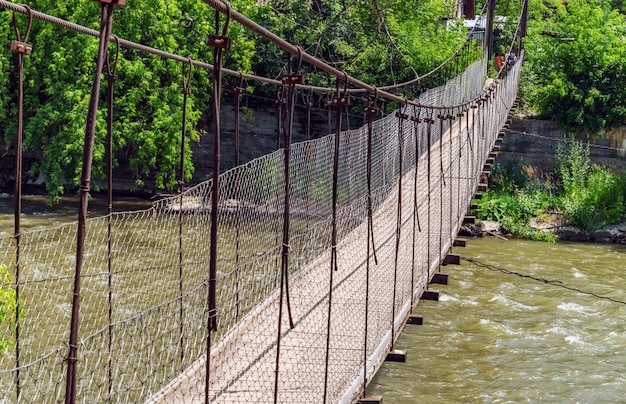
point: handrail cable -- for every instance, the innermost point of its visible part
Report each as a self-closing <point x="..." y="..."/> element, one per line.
<point x="246" y="22"/>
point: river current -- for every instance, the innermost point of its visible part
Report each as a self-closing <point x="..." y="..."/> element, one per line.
<point x="494" y="336"/>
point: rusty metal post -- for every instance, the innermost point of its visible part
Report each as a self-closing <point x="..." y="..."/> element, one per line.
<point x="491" y="7"/>
<point x="219" y="44"/>
<point x="523" y="25"/>
<point x="105" y="32"/>
<point x="21" y="48"/>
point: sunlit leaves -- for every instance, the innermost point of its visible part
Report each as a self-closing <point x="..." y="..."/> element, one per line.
<point x="576" y="60"/>
<point x="148" y="101"/>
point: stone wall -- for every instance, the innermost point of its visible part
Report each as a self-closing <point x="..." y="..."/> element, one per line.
<point x="257" y="136"/>
<point x="535" y="143"/>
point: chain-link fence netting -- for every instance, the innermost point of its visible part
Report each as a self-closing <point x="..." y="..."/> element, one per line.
<point x="145" y="277"/>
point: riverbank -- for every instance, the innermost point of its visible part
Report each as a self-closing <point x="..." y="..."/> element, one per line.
<point x="611" y="233"/>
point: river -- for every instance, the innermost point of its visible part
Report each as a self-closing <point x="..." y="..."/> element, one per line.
<point x="495" y="337"/>
<point x="492" y="336"/>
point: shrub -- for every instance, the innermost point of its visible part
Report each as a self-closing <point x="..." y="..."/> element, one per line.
<point x="573" y="165"/>
<point x="8" y="305"/>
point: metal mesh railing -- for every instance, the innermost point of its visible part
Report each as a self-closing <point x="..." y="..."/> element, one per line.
<point x="144" y="306"/>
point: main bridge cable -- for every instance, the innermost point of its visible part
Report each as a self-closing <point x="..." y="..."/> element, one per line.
<point x="219" y="43"/>
<point x="253" y="27"/>
<point x="292" y="49"/>
<point x="553" y="282"/>
<point x="21" y="48"/>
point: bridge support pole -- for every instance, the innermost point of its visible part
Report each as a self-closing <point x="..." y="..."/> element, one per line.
<point x="396" y="356"/>
<point x="370" y="400"/>
<point x="415" y="320"/>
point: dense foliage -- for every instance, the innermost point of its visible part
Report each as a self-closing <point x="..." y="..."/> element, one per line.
<point x="8" y="306"/>
<point x="380" y="42"/>
<point x="585" y="195"/>
<point x="59" y="75"/>
<point x="576" y="64"/>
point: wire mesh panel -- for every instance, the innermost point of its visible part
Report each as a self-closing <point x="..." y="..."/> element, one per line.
<point x="145" y="279"/>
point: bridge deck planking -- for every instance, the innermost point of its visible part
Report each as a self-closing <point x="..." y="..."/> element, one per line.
<point x="243" y="362"/>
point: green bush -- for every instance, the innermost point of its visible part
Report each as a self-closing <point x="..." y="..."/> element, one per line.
<point x="513" y="211"/>
<point x="573" y="166"/>
<point x="8" y="305"/>
<point x="589" y="196"/>
<point x="598" y="201"/>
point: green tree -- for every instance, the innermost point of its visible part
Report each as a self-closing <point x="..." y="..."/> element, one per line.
<point x="148" y="106"/>
<point x="576" y="69"/>
<point x="380" y="42"/>
<point x="8" y="305"/>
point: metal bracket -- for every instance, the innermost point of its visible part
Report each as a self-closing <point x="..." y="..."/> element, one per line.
<point x="371" y="110"/>
<point x="293" y="79"/>
<point x="339" y="101"/>
<point x="219" y="41"/>
<point x="21" y="47"/>
<point x="110" y="77"/>
<point x="238" y="90"/>
<point x="401" y="115"/>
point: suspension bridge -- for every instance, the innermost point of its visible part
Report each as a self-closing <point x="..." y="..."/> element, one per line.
<point x="285" y="279"/>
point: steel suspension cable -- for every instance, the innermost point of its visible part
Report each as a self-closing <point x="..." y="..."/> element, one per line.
<point x="238" y="92"/>
<point x="429" y="122"/>
<point x="21" y="48"/>
<point x="111" y="78"/>
<point x="219" y="44"/>
<point x="402" y="116"/>
<point x="458" y="174"/>
<point x="186" y="74"/>
<point x="416" y="217"/>
<point x="450" y="168"/>
<point x="341" y="101"/>
<point x="442" y="184"/>
<point x="370" y="111"/>
<point x="106" y="23"/>
<point x="290" y="80"/>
